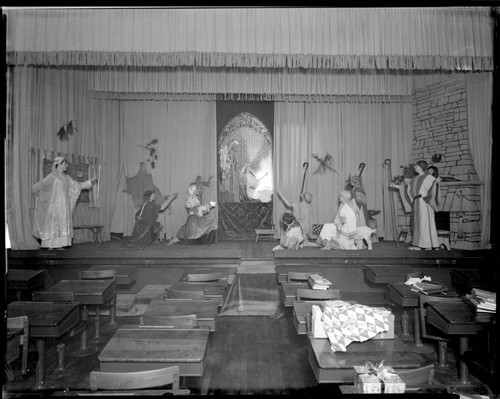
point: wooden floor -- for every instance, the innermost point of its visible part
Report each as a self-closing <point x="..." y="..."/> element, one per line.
<point x="246" y="354"/>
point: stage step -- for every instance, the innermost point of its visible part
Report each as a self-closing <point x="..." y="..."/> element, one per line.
<point x="256" y="267"/>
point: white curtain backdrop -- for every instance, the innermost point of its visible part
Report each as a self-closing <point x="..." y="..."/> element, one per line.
<point x="479" y="89"/>
<point x="351" y="134"/>
<point x="186" y="148"/>
<point x="112" y="130"/>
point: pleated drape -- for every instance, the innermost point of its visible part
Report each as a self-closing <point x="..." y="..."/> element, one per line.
<point x="441" y="38"/>
<point x="479" y="88"/>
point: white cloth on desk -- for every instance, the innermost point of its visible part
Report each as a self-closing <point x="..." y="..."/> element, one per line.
<point x="345" y="324"/>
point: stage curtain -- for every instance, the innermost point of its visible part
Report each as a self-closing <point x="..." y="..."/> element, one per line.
<point x="16" y="193"/>
<point x="479" y="89"/>
<point x="350" y="134"/>
<point x="445" y="38"/>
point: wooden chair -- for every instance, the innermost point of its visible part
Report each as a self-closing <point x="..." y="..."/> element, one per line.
<point x="80" y="328"/>
<point x="203" y="277"/>
<point x="304" y="294"/>
<point x="179" y="294"/>
<point x="417" y="378"/>
<point x="17" y="335"/>
<point x="179" y="321"/>
<point x="138" y="380"/>
<point x="430" y="332"/>
<point x="102" y="275"/>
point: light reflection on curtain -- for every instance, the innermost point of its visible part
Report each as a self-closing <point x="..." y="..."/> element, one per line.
<point x="351" y="134"/>
<point x="285" y="84"/>
<point x="479" y="89"/>
<point x="186" y="148"/>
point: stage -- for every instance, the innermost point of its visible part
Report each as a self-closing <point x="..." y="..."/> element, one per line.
<point x="345" y="268"/>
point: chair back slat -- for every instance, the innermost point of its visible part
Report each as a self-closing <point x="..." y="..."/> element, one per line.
<point x="175" y="294"/>
<point x="21" y="324"/>
<point x="418" y="377"/>
<point x="97" y="275"/>
<point x="204" y="277"/>
<point x="298" y="276"/>
<point x="17" y="323"/>
<point x="100" y="380"/>
<point x="179" y="321"/>
<point x="319" y="295"/>
<point x="59" y="297"/>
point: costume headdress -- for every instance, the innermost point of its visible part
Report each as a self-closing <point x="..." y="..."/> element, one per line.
<point x="57" y="161"/>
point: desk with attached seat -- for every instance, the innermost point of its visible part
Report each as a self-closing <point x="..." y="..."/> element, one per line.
<point x="338" y="367"/>
<point x="46" y="320"/>
<point x="462" y="320"/>
<point x="138" y="349"/>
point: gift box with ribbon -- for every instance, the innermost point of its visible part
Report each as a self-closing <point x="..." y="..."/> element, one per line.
<point x="377" y="378"/>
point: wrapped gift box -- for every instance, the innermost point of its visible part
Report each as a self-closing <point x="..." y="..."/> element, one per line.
<point x="387" y="382"/>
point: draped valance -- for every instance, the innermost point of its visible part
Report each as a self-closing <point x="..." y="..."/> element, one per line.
<point x="455" y="38"/>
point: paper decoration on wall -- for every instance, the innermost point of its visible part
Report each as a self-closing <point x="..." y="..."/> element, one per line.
<point x="325" y="164"/>
<point x="152" y="152"/>
<point x="137" y="185"/>
<point x="67" y="129"/>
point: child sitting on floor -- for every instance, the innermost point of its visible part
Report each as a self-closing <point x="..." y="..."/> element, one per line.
<point x="294" y="236"/>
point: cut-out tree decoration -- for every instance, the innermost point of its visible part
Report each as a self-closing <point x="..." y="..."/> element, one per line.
<point x="67" y="129"/>
<point x="325" y="164"/>
<point x="153" y="156"/>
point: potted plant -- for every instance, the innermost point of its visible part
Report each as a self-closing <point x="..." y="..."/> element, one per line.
<point x="408" y="173"/>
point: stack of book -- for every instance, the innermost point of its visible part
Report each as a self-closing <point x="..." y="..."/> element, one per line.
<point x="429" y="288"/>
<point x="318" y="282"/>
<point x="482" y="300"/>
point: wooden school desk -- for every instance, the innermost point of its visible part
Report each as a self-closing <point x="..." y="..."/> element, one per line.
<point x="46" y="320"/>
<point x="137" y="349"/>
<point x="461" y="320"/>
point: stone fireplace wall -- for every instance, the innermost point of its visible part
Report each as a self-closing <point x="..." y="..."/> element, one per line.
<point x="440" y="127"/>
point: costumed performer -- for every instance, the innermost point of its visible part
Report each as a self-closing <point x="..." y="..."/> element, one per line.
<point x="421" y="195"/>
<point x="146" y="227"/>
<point x="56" y="195"/>
<point x="359" y="195"/>
<point x="342" y="232"/>
<point x="199" y="228"/>
<point x="294" y="237"/>
<point x="302" y="211"/>
<point x="200" y="184"/>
